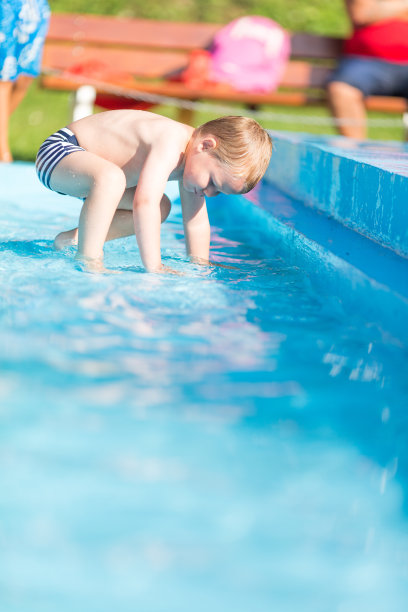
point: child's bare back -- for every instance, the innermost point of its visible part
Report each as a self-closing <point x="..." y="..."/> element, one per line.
<point x="126" y="137"/>
<point x="119" y="162"/>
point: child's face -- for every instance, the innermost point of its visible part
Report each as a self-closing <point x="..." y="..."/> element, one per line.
<point x="205" y="175"/>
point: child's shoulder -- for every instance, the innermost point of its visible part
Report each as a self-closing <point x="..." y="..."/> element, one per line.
<point x="163" y="130"/>
<point x="165" y="124"/>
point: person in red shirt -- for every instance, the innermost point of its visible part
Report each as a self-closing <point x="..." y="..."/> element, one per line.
<point x="374" y="61"/>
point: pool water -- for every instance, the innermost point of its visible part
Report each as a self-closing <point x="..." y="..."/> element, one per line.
<point x="230" y="439"/>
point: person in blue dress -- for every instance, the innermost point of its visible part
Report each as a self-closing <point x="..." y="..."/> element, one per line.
<point x="23" y="27"/>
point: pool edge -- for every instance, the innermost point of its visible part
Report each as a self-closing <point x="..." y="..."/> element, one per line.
<point x="345" y="257"/>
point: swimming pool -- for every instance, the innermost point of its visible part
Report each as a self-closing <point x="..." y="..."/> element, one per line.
<point x="233" y="439"/>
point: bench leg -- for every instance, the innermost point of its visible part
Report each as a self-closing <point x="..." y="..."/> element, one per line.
<point x="83" y="102"/>
<point x="186" y="115"/>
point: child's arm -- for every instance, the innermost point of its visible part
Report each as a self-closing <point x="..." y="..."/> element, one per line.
<point x="146" y="207"/>
<point x="196" y="225"/>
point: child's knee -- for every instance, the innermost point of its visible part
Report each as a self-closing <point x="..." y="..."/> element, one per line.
<point x="165" y="207"/>
<point x="111" y="179"/>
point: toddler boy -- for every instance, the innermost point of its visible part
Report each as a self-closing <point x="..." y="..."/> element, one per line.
<point x="120" y="161"/>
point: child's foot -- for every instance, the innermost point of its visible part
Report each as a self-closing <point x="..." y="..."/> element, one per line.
<point x="66" y="239"/>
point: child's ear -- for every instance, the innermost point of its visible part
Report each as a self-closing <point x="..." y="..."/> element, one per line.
<point x="209" y="142"/>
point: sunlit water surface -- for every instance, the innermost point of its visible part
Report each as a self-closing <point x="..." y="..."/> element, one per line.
<point x="223" y="440"/>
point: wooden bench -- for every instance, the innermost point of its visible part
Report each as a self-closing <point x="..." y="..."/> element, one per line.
<point x="138" y="55"/>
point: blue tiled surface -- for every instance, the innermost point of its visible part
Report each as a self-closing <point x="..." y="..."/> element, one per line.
<point x="362" y="185"/>
<point x="338" y="210"/>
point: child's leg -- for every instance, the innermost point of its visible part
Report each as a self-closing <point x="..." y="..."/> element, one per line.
<point x="122" y="223"/>
<point x="83" y="174"/>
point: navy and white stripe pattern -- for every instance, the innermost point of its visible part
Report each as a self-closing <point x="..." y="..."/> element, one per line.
<point x="52" y="150"/>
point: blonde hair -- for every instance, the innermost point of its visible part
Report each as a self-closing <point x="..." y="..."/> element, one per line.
<point x="242" y="145"/>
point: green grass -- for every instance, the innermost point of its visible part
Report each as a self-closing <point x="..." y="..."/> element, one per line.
<point x="42" y="112"/>
<point x="318" y="16"/>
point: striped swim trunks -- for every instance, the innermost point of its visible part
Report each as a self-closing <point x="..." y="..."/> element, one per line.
<point x="52" y="150"/>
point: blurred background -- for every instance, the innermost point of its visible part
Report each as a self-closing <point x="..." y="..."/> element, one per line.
<point x="45" y="111"/>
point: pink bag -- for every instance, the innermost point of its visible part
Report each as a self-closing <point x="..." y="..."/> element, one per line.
<point x="250" y="53"/>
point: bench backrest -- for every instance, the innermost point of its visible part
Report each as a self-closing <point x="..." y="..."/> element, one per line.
<point x="153" y="49"/>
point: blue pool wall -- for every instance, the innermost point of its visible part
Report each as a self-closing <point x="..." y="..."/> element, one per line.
<point x="338" y="209"/>
<point x="362" y="185"/>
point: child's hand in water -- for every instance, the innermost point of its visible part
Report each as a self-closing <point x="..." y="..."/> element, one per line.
<point x="167" y="270"/>
<point x="212" y="264"/>
<point x="93" y="266"/>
